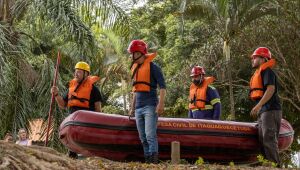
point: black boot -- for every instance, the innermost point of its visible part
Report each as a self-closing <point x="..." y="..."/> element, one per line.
<point x="154" y="158"/>
<point x="73" y="155"/>
<point x="147" y="159"/>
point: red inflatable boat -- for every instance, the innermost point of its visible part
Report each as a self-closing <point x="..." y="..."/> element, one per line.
<point x="115" y="137"/>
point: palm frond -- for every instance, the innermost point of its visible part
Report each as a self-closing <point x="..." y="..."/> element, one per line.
<point x="221" y="7"/>
<point x="106" y="14"/>
<point x="64" y="16"/>
<point x="19" y="8"/>
<point x="6" y="45"/>
<point x="43" y="96"/>
<point x="198" y="9"/>
<point x="17" y="107"/>
<point x="259" y="10"/>
<point x="114" y="41"/>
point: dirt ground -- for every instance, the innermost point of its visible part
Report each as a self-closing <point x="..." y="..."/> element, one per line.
<point x="42" y="158"/>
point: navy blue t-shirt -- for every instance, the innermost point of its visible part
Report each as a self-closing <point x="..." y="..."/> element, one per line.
<point x="269" y="78"/>
<point x="150" y="98"/>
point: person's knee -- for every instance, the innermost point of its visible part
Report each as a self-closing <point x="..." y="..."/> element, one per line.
<point x="151" y="138"/>
<point x="143" y="139"/>
<point x="269" y="137"/>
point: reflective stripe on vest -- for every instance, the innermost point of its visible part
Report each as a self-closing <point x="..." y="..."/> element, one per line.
<point x="141" y="74"/>
<point x="214" y="101"/>
<point x="198" y="94"/>
<point x="80" y="96"/>
<point x="256" y="84"/>
<point x="207" y="107"/>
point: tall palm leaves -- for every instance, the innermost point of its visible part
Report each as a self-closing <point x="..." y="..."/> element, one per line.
<point x="105" y="14"/>
<point x="17" y="102"/>
<point x="115" y="68"/>
<point x="69" y="26"/>
<point x="42" y="89"/>
<point x="6" y="45"/>
<point x="229" y="17"/>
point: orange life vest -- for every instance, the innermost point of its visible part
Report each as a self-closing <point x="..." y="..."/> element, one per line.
<point x="256" y="84"/>
<point x="80" y="96"/>
<point x="141" y="74"/>
<point x="198" y="94"/>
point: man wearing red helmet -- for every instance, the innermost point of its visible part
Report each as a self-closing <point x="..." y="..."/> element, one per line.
<point x="145" y="105"/>
<point x="204" y="98"/>
<point x="263" y="90"/>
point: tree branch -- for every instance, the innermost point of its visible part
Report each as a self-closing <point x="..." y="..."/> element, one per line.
<point x="290" y="101"/>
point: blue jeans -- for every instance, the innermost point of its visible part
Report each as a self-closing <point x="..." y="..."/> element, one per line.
<point x="146" y="122"/>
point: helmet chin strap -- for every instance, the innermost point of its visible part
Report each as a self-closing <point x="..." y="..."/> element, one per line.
<point x="198" y="82"/>
<point x="79" y="83"/>
<point x="134" y="60"/>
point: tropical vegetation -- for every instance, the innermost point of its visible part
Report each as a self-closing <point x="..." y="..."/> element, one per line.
<point x="217" y="34"/>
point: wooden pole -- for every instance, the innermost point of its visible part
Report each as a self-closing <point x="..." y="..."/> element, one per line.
<point x="52" y="98"/>
<point x="175" y="154"/>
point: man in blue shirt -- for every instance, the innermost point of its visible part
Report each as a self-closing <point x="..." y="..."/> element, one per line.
<point x="145" y="105"/>
<point x="204" y="98"/>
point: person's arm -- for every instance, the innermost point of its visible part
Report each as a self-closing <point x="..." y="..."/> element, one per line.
<point x="269" y="81"/>
<point x="98" y="106"/>
<point x="190" y="114"/>
<point x="215" y="101"/>
<point x="266" y="97"/>
<point x="59" y="99"/>
<point x="161" y="104"/>
<point x="217" y="111"/>
<point x="132" y="105"/>
<point x="29" y="143"/>
<point x="162" y="92"/>
<point x="96" y="97"/>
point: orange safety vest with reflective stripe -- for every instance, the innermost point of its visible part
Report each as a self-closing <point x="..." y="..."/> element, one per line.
<point x="141" y="74"/>
<point x="198" y="93"/>
<point x="79" y="94"/>
<point x="256" y="84"/>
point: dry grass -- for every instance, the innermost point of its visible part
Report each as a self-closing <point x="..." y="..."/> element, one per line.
<point x="41" y="158"/>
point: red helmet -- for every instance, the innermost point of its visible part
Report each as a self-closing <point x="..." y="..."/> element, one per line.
<point x="137" y="45"/>
<point x="197" y="70"/>
<point x="263" y="52"/>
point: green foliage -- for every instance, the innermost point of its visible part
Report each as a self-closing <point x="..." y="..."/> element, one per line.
<point x="30" y="37"/>
<point x="265" y="162"/>
<point x="183" y="161"/>
<point x="86" y="31"/>
<point x="231" y="164"/>
<point x="112" y="110"/>
<point x="199" y="161"/>
<point x="179" y="109"/>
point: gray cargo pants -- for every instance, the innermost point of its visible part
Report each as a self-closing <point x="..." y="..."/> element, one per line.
<point x="268" y="132"/>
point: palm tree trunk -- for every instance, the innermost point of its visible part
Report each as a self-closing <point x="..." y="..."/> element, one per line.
<point x="232" y="110"/>
<point x="124" y="87"/>
<point x="5" y="6"/>
<point x="226" y="50"/>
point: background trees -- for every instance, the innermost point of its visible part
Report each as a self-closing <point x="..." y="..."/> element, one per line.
<point x="185" y="33"/>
